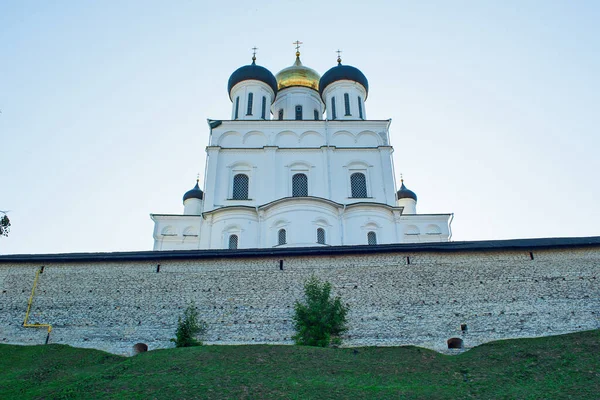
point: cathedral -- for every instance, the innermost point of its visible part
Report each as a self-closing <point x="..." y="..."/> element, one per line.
<point x="298" y="164"/>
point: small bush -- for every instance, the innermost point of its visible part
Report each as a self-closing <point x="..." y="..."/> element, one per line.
<point x="320" y="319"/>
<point x="189" y="329"/>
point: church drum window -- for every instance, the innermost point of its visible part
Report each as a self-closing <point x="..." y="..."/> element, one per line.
<point x="263" y="113"/>
<point x="316" y="115"/>
<point x="280" y="114"/>
<point x="250" y="101"/>
<point x="299" y="185"/>
<point x="333" y="113"/>
<point x="281" y="237"/>
<point x="237" y="107"/>
<point x="360" y="110"/>
<point x="298" y="113"/>
<point x="233" y="242"/>
<point x="321" y="236"/>
<point x="240" y="187"/>
<point x="358" y="185"/>
<point x="371" y="238"/>
<point x="347" y="104"/>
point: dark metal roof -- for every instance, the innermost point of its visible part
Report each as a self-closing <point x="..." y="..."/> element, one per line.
<point x="405" y="193"/>
<point x="252" y="72"/>
<point x="343" y="72"/>
<point x="194" y="193"/>
<point x="441" y="247"/>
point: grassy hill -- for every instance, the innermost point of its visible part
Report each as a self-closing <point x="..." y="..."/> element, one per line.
<point x="566" y="366"/>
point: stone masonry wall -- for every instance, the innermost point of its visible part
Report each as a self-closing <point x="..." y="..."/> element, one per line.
<point x="496" y="294"/>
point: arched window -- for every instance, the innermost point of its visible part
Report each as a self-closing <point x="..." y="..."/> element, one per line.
<point x="360" y="111"/>
<point x="280" y="114"/>
<point x="233" y="241"/>
<point x="298" y="113"/>
<point x="333" y="114"/>
<point x="358" y="184"/>
<point x="237" y="107"/>
<point x="321" y="236"/>
<point x="250" y="100"/>
<point x="316" y="115"/>
<point x="240" y="187"/>
<point x="347" y="104"/>
<point x="299" y="185"/>
<point x="263" y="113"/>
<point x="281" y="237"/>
<point x="371" y="238"/>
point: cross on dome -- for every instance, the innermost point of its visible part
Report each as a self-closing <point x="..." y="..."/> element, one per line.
<point x="254" y="53"/>
<point x="339" y="53"/>
<point x="297" y="43"/>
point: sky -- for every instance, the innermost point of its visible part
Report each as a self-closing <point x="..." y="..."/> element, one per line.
<point x="494" y="107"/>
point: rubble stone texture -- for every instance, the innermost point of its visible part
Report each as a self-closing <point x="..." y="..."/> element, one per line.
<point x="493" y="294"/>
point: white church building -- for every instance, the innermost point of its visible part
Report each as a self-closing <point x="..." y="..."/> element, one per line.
<point x="298" y="164"/>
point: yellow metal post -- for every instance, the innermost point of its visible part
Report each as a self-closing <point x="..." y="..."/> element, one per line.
<point x="25" y="324"/>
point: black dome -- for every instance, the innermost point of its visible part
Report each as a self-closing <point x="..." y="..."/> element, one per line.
<point x="252" y="72"/>
<point x="343" y="72"/>
<point x="195" y="193"/>
<point x="405" y="193"/>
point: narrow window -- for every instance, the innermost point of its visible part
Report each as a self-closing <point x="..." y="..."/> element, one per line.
<point x="250" y="100"/>
<point x="240" y="187"/>
<point x="299" y="185"/>
<point x="298" y="113"/>
<point x="263" y="113"/>
<point x="358" y="185"/>
<point x="280" y="114"/>
<point x="237" y="107"/>
<point x="347" y="104"/>
<point x="371" y="238"/>
<point x="333" y="114"/>
<point x="316" y="115"/>
<point x="233" y="242"/>
<point x="321" y="236"/>
<point x="360" y="112"/>
<point x="281" y="239"/>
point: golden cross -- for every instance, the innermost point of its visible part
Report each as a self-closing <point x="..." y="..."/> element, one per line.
<point x="297" y="43"/>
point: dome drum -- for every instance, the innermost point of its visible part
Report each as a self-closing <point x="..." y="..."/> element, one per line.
<point x="345" y="100"/>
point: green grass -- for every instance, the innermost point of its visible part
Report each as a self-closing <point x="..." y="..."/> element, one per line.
<point x="566" y="366"/>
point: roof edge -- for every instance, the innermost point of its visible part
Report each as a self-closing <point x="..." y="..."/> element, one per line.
<point x="440" y="247"/>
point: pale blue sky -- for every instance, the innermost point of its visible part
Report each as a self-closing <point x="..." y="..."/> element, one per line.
<point x="495" y="107"/>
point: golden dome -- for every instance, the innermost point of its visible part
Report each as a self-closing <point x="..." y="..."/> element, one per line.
<point x="298" y="75"/>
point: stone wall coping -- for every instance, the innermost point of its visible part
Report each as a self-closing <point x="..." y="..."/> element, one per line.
<point x="441" y="247"/>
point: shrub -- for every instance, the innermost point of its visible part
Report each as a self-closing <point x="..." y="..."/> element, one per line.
<point x="189" y="328"/>
<point x="320" y="319"/>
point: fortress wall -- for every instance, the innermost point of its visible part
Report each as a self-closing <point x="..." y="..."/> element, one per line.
<point x="497" y="294"/>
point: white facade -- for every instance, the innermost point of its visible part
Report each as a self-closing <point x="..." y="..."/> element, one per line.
<point x="308" y="182"/>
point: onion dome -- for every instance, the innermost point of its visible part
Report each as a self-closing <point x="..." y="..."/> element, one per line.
<point x="195" y="193"/>
<point x="298" y="75"/>
<point x="340" y="73"/>
<point x="405" y="193"/>
<point x="252" y="72"/>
